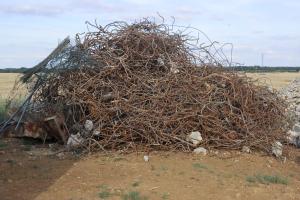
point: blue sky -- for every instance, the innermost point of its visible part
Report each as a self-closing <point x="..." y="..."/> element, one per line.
<point x="31" y="29"/>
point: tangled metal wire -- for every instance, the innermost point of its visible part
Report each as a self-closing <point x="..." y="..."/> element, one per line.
<point x="143" y="84"/>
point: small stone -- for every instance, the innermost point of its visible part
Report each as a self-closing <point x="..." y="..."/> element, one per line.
<point x="296" y="128"/>
<point x="9" y="180"/>
<point x="200" y="150"/>
<point x="174" y="70"/>
<point x="246" y="149"/>
<point x="160" y="62"/>
<point x="195" y="137"/>
<point x="277" y="149"/>
<point x="146" y="158"/>
<point x="61" y="155"/>
<point x="96" y="133"/>
<point x="88" y="125"/>
<point x="74" y="141"/>
<point x="294" y="138"/>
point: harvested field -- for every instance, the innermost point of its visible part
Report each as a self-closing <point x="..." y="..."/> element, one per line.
<point x="278" y="80"/>
<point x="274" y="79"/>
<point x="7" y="81"/>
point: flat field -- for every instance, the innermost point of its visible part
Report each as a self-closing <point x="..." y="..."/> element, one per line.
<point x="277" y="79"/>
<point x="7" y="81"/>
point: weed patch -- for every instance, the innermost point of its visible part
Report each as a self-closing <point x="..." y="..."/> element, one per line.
<point x="104" y="192"/>
<point x="267" y="179"/>
<point x="199" y="166"/>
<point x="3" y="110"/>
<point x="2" y="145"/>
<point x="133" y="195"/>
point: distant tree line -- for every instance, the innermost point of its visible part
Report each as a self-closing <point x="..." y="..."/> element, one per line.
<point x="13" y="70"/>
<point x="236" y="68"/>
<point x="265" y="69"/>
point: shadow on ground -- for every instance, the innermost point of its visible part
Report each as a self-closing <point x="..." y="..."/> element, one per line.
<point x="26" y="169"/>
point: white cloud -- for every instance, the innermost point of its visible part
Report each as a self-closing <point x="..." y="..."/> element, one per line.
<point x="45" y="10"/>
<point x="253" y="26"/>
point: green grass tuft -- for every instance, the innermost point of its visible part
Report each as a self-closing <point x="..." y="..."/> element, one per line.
<point x="199" y="166"/>
<point x="2" y="110"/>
<point x="12" y="162"/>
<point x="267" y="179"/>
<point x="104" y="192"/>
<point x="4" y="106"/>
<point x="165" y="196"/>
<point x="133" y="195"/>
<point x="2" y="145"/>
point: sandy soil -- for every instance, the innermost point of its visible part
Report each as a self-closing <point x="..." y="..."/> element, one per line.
<point x="29" y="172"/>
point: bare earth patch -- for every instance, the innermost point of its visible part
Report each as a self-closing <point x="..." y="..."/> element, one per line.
<point x="226" y="175"/>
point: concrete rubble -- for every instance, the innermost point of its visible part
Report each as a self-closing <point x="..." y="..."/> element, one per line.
<point x="277" y="149"/>
<point x="200" y="150"/>
<point x="88" y="125"/>
<point x="75" y="141"/>
<point x="246" y="149"/>
<point x="146" y="158"/>
<point x="194" y="137"/>
<point x="292" y="95"/>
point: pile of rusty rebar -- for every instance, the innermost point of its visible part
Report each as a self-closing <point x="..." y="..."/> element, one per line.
<point x="144" y="84"/>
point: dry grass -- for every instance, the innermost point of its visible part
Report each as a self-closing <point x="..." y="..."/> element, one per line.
<point x="7" y="81"/>
<point x="276" y="79"/>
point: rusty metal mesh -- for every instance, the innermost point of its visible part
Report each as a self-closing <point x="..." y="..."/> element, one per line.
<point x="144" y="84"/>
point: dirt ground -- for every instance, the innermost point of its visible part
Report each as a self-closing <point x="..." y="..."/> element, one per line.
<point x="29" y="170"/>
